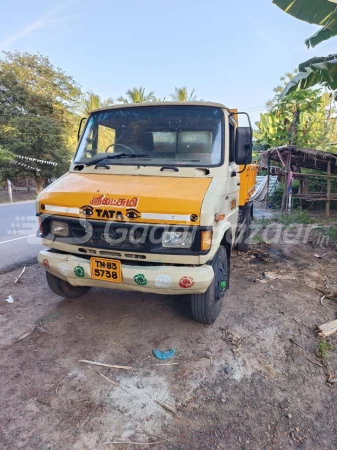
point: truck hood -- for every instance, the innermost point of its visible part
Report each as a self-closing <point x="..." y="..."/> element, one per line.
<point x="126" y="198"/>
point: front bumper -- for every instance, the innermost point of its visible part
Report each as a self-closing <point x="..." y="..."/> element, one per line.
<point x="161" y="279"/>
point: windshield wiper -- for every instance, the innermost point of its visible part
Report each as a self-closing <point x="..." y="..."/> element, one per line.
<point x="117" y="156"/>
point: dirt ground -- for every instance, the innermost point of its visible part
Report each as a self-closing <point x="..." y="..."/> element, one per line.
<point x="253" y="380"/>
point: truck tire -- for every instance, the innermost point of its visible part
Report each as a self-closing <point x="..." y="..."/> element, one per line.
<point x="63" y="288"/>
<point x="207" y="306"/>
<point x="244" y="243"/>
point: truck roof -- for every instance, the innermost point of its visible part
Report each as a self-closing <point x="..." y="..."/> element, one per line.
<point x="136" y="105"/>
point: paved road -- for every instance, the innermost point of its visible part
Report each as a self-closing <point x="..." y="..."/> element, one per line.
<point x="18" y="242"/>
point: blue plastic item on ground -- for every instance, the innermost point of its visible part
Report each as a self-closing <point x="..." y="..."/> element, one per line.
<point x="164" y="355"/>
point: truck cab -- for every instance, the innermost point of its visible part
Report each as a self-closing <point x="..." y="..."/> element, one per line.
<point x="151" y="204"/>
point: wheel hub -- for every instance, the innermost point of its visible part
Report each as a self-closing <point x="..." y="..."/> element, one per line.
<point x="220" y="283"/>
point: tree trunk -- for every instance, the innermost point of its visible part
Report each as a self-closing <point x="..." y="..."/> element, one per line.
<point x="39" y="184"/>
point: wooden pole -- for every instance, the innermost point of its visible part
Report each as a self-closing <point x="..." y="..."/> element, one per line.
<point x="268" y="181"/>
<point x="286" y="177"/>
<point x="300" y="189"/>
<point x="328" y="190"/>
<point x="288" y="164"/>
<point x="284" y="197"/>
<point x="314" y="175"/>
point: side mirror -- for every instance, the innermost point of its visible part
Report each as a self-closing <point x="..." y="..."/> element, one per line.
<point x="79" y="132"/>
<point x="243" y="145"/>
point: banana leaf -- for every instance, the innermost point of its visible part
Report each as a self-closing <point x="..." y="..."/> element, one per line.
<point x="318" y="12"/>
<point x="316" y="71"/>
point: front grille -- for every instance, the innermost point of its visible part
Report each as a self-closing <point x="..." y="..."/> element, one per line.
<point x="114" y="237"/>
<point x="119" y="236"/>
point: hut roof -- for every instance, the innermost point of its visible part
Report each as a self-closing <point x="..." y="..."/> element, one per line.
<point x="302" y="157"/>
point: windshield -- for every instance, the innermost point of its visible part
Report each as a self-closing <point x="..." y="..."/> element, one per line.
<point x="154" y="135"/>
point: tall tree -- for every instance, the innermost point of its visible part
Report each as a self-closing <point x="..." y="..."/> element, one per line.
<point x="37" y="113"/>
<point x="181" y="95"/>
<point x="317" y="70"/>
<point x="136" y="95"/>
<point x="91" y="101"/>
<point x="5" y="158"/>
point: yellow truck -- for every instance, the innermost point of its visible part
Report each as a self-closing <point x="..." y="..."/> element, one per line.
<point x="156" y="198"/>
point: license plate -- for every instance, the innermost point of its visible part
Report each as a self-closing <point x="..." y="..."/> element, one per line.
<point x="106" y="269"/>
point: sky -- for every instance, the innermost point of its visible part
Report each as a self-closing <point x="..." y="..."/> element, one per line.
<point x="232" y="52"/>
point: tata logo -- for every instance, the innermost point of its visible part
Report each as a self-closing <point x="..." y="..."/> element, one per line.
<point x="131" y="214"/>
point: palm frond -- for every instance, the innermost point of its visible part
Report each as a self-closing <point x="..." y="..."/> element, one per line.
<point x="137" y="95"/>
<point x="181" y="95"/>
<point x="92" y="101"/>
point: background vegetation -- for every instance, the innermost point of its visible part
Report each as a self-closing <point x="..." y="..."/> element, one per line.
<point x="305" y="118"/>
<point x="40" y="105"/>
<point x="40" y="109"/>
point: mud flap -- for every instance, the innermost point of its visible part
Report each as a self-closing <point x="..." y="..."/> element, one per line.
<point x="243" y="231"/>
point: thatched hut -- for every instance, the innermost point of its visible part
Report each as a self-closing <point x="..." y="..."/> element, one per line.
<point x="294" y="159"/>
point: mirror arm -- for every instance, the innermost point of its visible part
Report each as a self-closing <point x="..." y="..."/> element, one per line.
<point x="246" y="114"/>
<point x="245" y="165"/>
<point x="237" y="173"/>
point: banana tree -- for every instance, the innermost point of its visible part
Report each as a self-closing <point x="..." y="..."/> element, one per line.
<point x="319" y="70"/>
<point x="318" y="12"/>
<point x="299" y="118"/>
<point x="271" y="130"/>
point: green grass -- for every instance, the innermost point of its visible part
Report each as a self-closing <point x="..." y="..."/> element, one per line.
<point x="296" y="216"/>
<point x="323" y="348"/>
<point x="258" y="239"/>
<point x="264" y="221"/>
<point x="332" y="233"/>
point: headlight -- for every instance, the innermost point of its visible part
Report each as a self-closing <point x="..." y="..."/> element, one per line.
<point x="177" y="239"/>
<point x="59" y="228"/>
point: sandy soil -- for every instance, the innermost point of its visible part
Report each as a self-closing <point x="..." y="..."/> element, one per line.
<point x="240" y="383"/>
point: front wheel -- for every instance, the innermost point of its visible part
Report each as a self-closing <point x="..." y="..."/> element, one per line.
<point x="63" y="288"/>
<point x="207" y="306"/>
